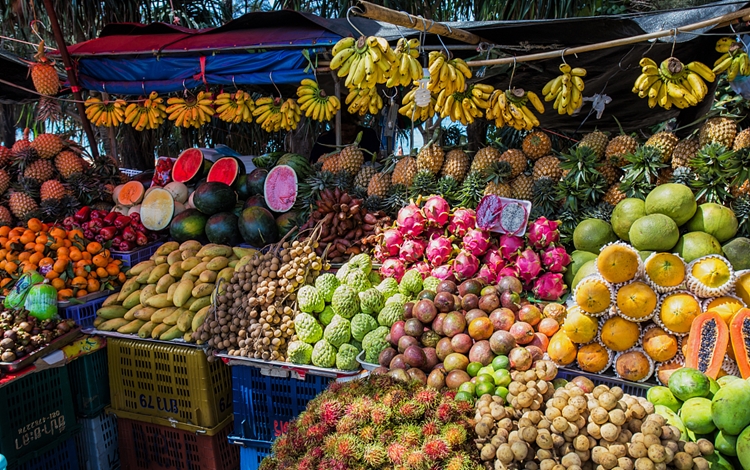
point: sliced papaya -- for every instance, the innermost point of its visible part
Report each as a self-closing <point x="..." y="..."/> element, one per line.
<point x="707" y="344"/>
<point x="131" y="193"/>
<point x="740" y="332"/>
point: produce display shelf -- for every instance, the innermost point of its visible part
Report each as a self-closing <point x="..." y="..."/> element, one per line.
<point x="89" y="380"/>
<point x="296" y="369"/>
<point x="172" y="342"/>
<point x="60" y="455"/>
<point x="368" y="366"/>
<point x="84" y="314"/>
<point x="251" y="453"/>
<point x="86" y="298"/>
<point x="29" y="359"/>
<point x="97" y="443"/>
<point x="632" y="388"/>
<point x="133" y="257"/>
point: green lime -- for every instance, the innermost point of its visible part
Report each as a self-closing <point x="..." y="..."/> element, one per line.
<point x="501" y="362"/>
<point x="485" y="378"/>
<point x="501" y="392"/>
<point x="473" y="368"/>
<point x="485" y="389"/>
<point x="486" y="370"/>
<point x="467" y="387"/>
<point x="465" y="396"/>
<point x="502" y="377"/>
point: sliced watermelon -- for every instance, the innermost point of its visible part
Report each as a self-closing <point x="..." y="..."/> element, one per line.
<point x="299" y="164"/>
<point x="226" y="170"/>
<point x="280" y="189"/>
<point x="157" y="209"/>
<point x="190" y="167"/>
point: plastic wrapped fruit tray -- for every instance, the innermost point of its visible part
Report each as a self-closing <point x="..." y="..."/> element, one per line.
<point x="631" y="388"/>
<point x="29" y="359"/>
<point x="298" y="369"/>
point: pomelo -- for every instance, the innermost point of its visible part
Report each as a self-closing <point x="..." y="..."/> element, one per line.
<point x="696" y="414"/>
<point x="592" y="234"/>
<point x="694" y="245"/>
<point x="726" y="444"/>
<point x="655" y="232"/>
<point x="729" y="407"/>
<point x="687" y="383"/>
<point x="737" y="251"/>
<point x="714" y="219"/>
<point x="676" y="201"/>
<point x="588" y="268"/>
<point x="671" y="417"/>
<point x="625" y="213"/>
<point x="743" y="448"/>
<point x="659" y="395"/>
<point x="578" y="258"/>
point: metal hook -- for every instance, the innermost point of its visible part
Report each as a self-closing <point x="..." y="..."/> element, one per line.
<point x="562" y="55"/>
<point x="348" y="12"/>
<point x="33" y="26"/>
<point x="233" y="82"/>
<point x="270" y="77"/>
<point x="512" y="73"/>
<point x="185" y="90"/>
<point x="398" y="28"/>
<point x="395" y="92"/>
<point x="674" y="41"/>
<point x="143" y="88"/>
<point x="653" y="41"/>
<point x="619" y="64"/>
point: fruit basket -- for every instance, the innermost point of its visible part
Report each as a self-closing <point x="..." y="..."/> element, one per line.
<point x="83" y="314"/>
<point x="633" y="388"/>
<point x="60" y="455"/>
<point x="251" y="453"/>
<point x="97" y="443"/>
<point x="366" y="365"/>
<point x="171" y="342"/>
<point x="142" y="253"/>
<point x="29" y="359"/>
<point x="89" y="380"/>
<point x="287" y="368"/>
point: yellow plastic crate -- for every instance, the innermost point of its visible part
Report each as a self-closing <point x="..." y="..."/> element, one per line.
<point x="174" y="383"/>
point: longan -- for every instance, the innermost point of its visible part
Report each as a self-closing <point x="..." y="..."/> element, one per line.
<point x="644" y="464"/>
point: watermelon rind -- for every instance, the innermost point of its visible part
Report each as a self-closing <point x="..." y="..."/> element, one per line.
<point x="226" y="170"/>
<point x="240" y="187"/>
<point x="299" y="164"/>
<point x="222" y="229"/>
<point x="286" y="222"/>
<point x="212" y="198"/>
<point x="258" y="227"/>
<point x="157" y="209"/>
<point x="190" y="167"/>
<point x="188" y="225"/>
<point x="280" y="189"/>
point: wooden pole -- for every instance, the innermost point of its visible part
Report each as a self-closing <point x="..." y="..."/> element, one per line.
<point x="399" y="18"/>
<point x="724" y="19"/>
<point x="71" y="76"/>
<point x="337" y="92"/>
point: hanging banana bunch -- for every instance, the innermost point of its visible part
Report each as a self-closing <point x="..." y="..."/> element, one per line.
<point x="672" y="83"/>
<point x="364" y="62"/>
<point x="406" y="66"/>
<point x="191" y="111"/>
<point x="464" y="106"/>
<point x="734" y="59"/>
<point x="109" y="113"/>
<point x="566" y="90"/>
<point x="410" y="109"/>
<point x="274" y="115"/>
<point x="363" y="100"/>
<point x="235" y="107"/>
<point x="315" y="103"/>
<point x="147" y="113"/>
<point x="510" y="108"/>
<point x="445" y="74"/>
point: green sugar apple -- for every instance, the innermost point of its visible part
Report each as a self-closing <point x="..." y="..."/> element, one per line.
<point x="299" y="352"/>
<point x="346" y="358"/>
<point x="430" y="283"/>
<point x="326" y="315"/>
<point x="390" y="314"/>
<point x="362" y="262"/>
<point x="388" y="286"/>
<point x="356" y="344"/>
<point x="307" y="327"/>
<point x="345" y="302"/>
<point x="338" y="331"/>
<point x="358" y="281"/>
<point x="343" y="272"/>
<point x="374" y="278"/>
<point x="326" y="284"/>
<point x="362" y="324"/>
<point x="371" y="301"/>
<point x="398" y="299"/>
<point x="310" y="300"/>
<point x="411" y="283"/>
<point x="373" y="343"/>
<point x="323" y="354"/>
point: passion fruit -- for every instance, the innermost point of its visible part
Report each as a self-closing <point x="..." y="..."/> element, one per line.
<point x="456" y="361"/>
<point x="415" y="356"/>
<point x="489" y="302"/>
<point x="456" y="378"/>
<point x="510" y="283"/>
<point x="502" y="319"/>
<point x="501" y="342"/>
<point x="413" y="327"/>
<point x="425" y="311"/>
<point x="386" y="356"/>
<point x="443" y="302"/>
<point x="462" y="343"/>
<point x="481" y="352"/>
<point x="453" y="324"/>
<point x="470" y="286"/>
<point x="447" y="286"/>
<point x="469" y="302"/>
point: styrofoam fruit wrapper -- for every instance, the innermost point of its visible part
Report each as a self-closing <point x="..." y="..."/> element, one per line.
<point x="604" y="319"/>
<point x="640" y="319"/>
<point x="678" y="360"/>
<point x="663" y="289"/>
<point x="657" y="317"/>
<point x="650" y="361"/>
<point x="595" y="278"/>
<point x="730" y="366"/>
<point x="639" y="269"/>
<point x="650" y="327"/>
<point x="610" y="354"/>
<point x="701" y="290"/>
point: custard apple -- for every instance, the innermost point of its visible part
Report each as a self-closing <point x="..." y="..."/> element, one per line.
<point x="324" y="354"/>
<point x="371" y="301"/>
<point x="373" y="343"/>
<point x="374" y="278"/>
<point x="299" y="352"/>
<point x="356" y="344"/>
<point x="431" y="284"/>
<point x="326" y="315"/>
<point x="326" y="284"/>
<point x="338" y="331"/>
<point x="346" y="358"/>
<point x="388" y="286"/>
<point x="307" y="327"/>
<point x="310" y="300"/>
<point x="411" y="283"/>
<point x="362" y="262"/>
<point x="399" y="299"/>
<point x="390" y="314"/>
<point x="361" y="325"/>
<point x="343" y="272"/>
<point x="345" y="302"/>
<point x="358" y="281"/>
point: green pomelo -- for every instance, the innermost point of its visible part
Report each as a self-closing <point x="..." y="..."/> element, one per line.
<point x="578" y="258"/>
<point x="672" y="418"/>
<point x="696" y="414"/>
<point x="625" y="213"/>
<point x="743" y="448"/>
<point x="694" y="245"/>
<point x="586" y="270"/>
<point x="714" y="387"/>
<point x="592" y="234"/>
<point x="686" y="383"/>
<point x="676" y="201"/>
<point x="716" y="461"/>
<point x="737" y="251"/>
<point x="659" y="395"/>
<point x="725" y="379"/>
<point x="655" y="232"/>
<point x="730" y="409"/>
<point x="645" y="254"/>
<point x="714" y="219"/>
<point x="726" y="444"/>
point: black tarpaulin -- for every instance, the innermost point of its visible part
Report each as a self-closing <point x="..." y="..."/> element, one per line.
<point x="15" y="71"/>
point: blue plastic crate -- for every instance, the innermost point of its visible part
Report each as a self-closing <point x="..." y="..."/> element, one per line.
<point x="264" y="405"/>
<point x="83" y="314"/>
<point x="61" y="455"/>
<point x="252" y="454"/>
<point x="631" y="388"/>
<point x="89" y="379"/>
<point x="97" y="443"/>
<point x="131" y="258"/>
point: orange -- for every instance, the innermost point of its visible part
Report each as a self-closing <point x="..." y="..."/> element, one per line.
<point x="60" y="266"/>
<point x="29" y="267"/>
<point x="47" y="261"/>
<point x="75" y="254"/>
<point x="80" y="282"/>
<point x="39" y="247"/>
<point x="56" y="232"/>
<point x="5" y="282"/>
<point x="122" y="277"/>
<point x="24" y="256"/>
<point x="52" y="274"/>
<point x="63" y="251"/>
<point x="58" y="283"/>
<point x="99" y="261"/>
<point x="93" y="285"/>
<point x="34" y="224"/>
<point x="94" y="247"/>
<point x="81" y="292"/>
<point x="75" y="234"/>
<point x="57" y="243"/>
<point x="42" y="239"/>
<point x="29" y="246"/>
<point x="64" y="294"/>
<point x="11" y="268"/>
<point x="4" y="231"/>
<point x="113" y="269"/>
<point x="3" y="253"/>
<point x="36" y="257"/>
<point x="28" y="237"/>
<point x="101" y="273"/>
<point x="86" y="255"/>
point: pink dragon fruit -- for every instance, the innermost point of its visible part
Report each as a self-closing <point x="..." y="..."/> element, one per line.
<point x="555" y="259"/>
<point x="529" y="265"/>
<point x="444" y="273"/>
<point x="462" y="220"/>
<point x="549" y="286"/>
<point x="439" y="250"/>
<point x="431" y="231"/>
<point x="410" y="220"/>
<point x="436" y="211"/>
<point x="465" y="265"/>
<point x="412" y="250"/>
<point x="423" y="268"/>
<point x="485" y="273"/>
<point x="379" y="253"/>
<point x="543" y="232"/>
<point x="393" y="267"/>
<point x="510" y="246"/>
<point x="392" y="240"/>
<point x="509" y="270"/>
<point x="494" y="261"/>
<point x="476" y="241"/>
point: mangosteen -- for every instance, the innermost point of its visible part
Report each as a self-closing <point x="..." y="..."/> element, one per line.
<point x="489" y="302"/>
<point x="469" y="301"/>
<point x="413" y="327"/>
<point x="405" y="342"/>
<point x="470" y="286"/>
<point x="443" y="302"/>
<point x="418" y="375"/>
<point x="7" y="343"/>
<point x="398" y="362"/>
<point x="8" y="356"/>
<point x="25" y="326"/>
<point x="386" y="356"/>
<point x="63" y="327"/>
<point x="426" y="294"/>
<point x="447" y="286"/>
<point x="415" y="357"/>
<point x="10" y="334"/>
<point x="399" y="374"/>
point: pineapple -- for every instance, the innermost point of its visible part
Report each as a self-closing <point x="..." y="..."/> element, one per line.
<point x="22" y="144"/>
<point x="472" y="189"/>
<point x="6" y="155"/>
<point x="379" y="185"/>
<point x="499" y="189"/>
<point x="43" y="73"/>
<point x="424" y="184"/>
<point x="4" y="181"/>
<point x="517" y="161"/>
<point x="665" y="176"/>
<point x="351" y="159"/>
<point x="718" y="130"/>
<point x="430" y="158"/>
<point x="47" y="145"/>
<point x="544" y="197"/>
<point x="665" y="142"/>
<point x="52" y="189"/>
<point x="613" y="195"/>
<point x="456" y="165"/>
<point x="497" y="177"/>
<point x="610" y="173"/>
<point x="742" y="140"/>
<point x="68" y="163"/>
<point x="744" y="188"/>
<point x="597" y="141"/>
<point x="330" y="163"/>
<point x="601" y="211"/>
<point x="523" y="187"/>
<point x="40" y="170"/>
<point x="450" y="189"/>
<point x="583" y="185"/>
<point x="405" y="171"/>
<point x="683" y="175"/>
<point x="642" y="171"/>
<point x="22" y="205"/>
<point x="547" y="167"/>
<point x="739" y="168"/>
<point x="363" y="177"/>
<point x="741" y="208"/>
<point x="6" y="219"/>
<point x="485" y="158"/>
<point x="536" y="145"/>
<point x="398" y="197"/>
<point x="618" y="147"/>
<point x="712" y="167"/>
<point x="684" y="151"/>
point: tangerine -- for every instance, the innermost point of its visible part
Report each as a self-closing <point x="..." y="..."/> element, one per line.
<point x="678" y="310"/>
<point x="636" y="300"/>
<point x="618" y="263"/>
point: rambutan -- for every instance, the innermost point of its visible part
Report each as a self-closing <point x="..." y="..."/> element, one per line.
<point x="410" y="411"/>
<point x="397" y="453"/>
<point x="348" y="448"/>
<point x="386" y="436"/>
<point x="409" y="435"/>
<point x="416" y="460"/>
<point x="380" y="415"/>
<point x="460" y="461"/>
<point x="427" y="397"/>
<point x="436" y="449"/>
<point x="330" y="412"/>
<point x="332" y="464"/>
<point x="346" y="425"/>
<point x="431" y="428"/>
<point x="335" y="387"/>
<point x="374" y="455"/>
<point x="360" y="408"/>
<point x="392" y="399"/>
<point x="444" y="412"/>
<point x="449" y="395"/>
<point x="307" y="463"/>
<point x="463" y="408"/>
<point x="454" y="434"/>
<point x="367" y="434"/>
<point x="317" y="432"/>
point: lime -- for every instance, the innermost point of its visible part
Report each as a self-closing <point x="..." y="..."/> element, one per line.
<point x="501" y="392"/>
<point x="473" y="368"/>
<point x="486" y="370"/>
<point x="485" y="378"/>
<point x="502" y="377"/>
<point x="465" y="396"/>
<point x="485" y="389"/>
<point x="501" y="362"/>
<point x="467" y="387"/>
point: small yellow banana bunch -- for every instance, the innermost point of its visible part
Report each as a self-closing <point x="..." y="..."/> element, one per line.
<point x="410" y="109"/>
<point x="110" y="113"/>
<point x="406" y="67"/>
<point x="734" y="59"/>
<point x="315" y="103"/>
<point x="510" y="108"/>
<point x="672" y="83"/>
<point x="235" y="107"/>
<point x="274" y="115"/>
<point x="449" y="75"/>
<point x="146" y="114"/>
<point x="464" y="106"/>
<point x="566" y="90"/>
<point x="363" y="100"/>
<point x="365" y="62"/>
<point x="193" y="111"/>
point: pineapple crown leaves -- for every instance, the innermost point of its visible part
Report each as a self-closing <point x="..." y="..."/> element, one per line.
<point x="582" y="163"/>
<point x="576" y="195"/>
<point x="472" y="189"/>
<point x="424" y="183"/>
<point x="741" y="208"/>
<point x="683" y="175"/>
<point x="644" y="164"/>
<point x="712" y="165"/>
<point x="739" y="166"/>
<point x="498" y="172"/>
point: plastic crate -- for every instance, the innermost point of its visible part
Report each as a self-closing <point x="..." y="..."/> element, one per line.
<point x="89" y="380"/>
<point x="83" y="314"/>
<point x="252" y="454"/>
<point x="631" y="388"/>
<point x="131" y="258"/>
<point x="172" y="384"/>
<point x="60" y="455"/>
<point x="145" y="446"/>
<point x="264" y="405"/>
<point x="37" y="410"/>
<point x="97" y="443"/>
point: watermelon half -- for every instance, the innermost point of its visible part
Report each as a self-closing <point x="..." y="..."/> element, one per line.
<point x="157" y="209"/>
<point x="280" y="189"/>
<point x="226" y="170"/>
<point x="190" y="167"/>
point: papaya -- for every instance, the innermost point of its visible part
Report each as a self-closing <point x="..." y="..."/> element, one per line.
<point x="172" y="319"/>
<point x="130" y="315"/>
<point x="182" y="292"/>
<point x="162" y="286"/>
<point x="174" y="257"/>
<point x="167" y="248"/>
<point x="740" y="334"/>
<point x="707" y="344"/>
<point x="203" y="290"/>
<point x="193" y="245"/>
<point x="171" y="290"/>
<point x="142" y="278"/>
<point x="145" y="313"/>
<point x="199" y="304"/>
<point x="156" y="273"/>
<point x="159" y="259"/>
<point x="158" y="301"/>
<point x="199" y="318"/>
<point x="187" y="254"/>
<point x="218" y="263"/>
<point x="190" y="263"/>
<point x="198" y="268"/>
<point x="185" y="322"/>
<point x="130" y="286"/>
<point x="147" y="292"/>
<point x="207" y="276"/>
<point x="132" y="300"/>
<point x="176" y="270"/>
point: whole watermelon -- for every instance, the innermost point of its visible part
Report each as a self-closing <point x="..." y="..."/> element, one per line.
<point x="299" y="164"/>
<point x="221" y="229"/>
<point x="212" y="197"/>
<point x="258" y="227"/>
<point x="189" y="224"/>
<point x="255" y="181"/>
